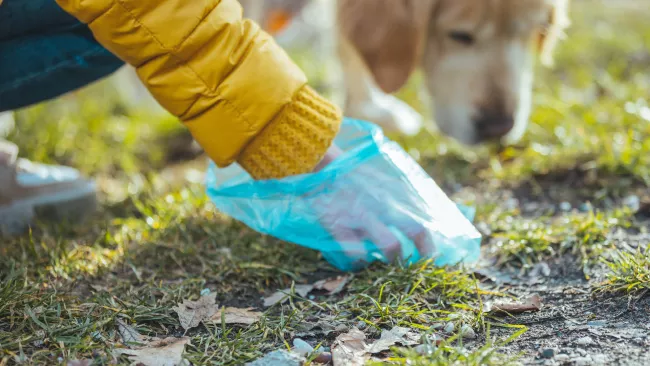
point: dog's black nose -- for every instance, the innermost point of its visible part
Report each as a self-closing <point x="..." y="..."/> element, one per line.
<point x="493" y="126"/>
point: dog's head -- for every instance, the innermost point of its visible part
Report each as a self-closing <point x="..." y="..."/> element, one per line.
<point x="477" y="55"/>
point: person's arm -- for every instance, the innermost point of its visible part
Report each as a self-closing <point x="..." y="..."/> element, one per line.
<point x="237" y="91"/>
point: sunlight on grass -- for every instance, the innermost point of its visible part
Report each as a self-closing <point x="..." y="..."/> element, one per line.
<point x="527" y="241"/>
<point x="629" y="273"/>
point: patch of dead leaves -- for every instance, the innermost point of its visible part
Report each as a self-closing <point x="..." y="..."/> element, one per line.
<point x="192" y="313"/>
<point x="149" y="351"/>
<point x="158" y="352"/>
<point x="332" y="286"/>
<point x="351" y="348"/>
<point x="281" y="296"/>
<point x="127" y="333"/>
<point x="236" y="316"/>
<point x="397" y="335"/>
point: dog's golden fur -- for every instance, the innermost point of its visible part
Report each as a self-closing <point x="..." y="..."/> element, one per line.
<point x="477" y="55"/>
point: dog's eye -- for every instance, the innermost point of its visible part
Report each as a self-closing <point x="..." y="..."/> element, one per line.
<point x="462" y="37"/>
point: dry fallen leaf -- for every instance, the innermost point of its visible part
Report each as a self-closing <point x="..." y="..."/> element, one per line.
<point x="397" y="335"/>
<point x="350" y="349"/>
<point x="192" y="313"/>
<point x="283" y="295"/>
<point x="333" y="285"/>
<point x="533" y="303"/>
<point x="128" y="333"/>
<point x="158" y="352"/>
<point x="236" y="316"/>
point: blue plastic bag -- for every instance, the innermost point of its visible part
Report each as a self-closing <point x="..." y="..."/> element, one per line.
<point x="374" y="175"/>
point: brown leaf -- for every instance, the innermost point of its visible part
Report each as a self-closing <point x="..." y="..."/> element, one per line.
<point x="237" y="316"/>
<point x="397" y="335"/>
<point x="283" y="295"/>
<point x="350" y="349"/>
<point x="333" y="285"/>
<point x="158" y="352"/>
<point x="192" y="313"/>
<point x="533" y="303"/>
<point x="128" y="333"/>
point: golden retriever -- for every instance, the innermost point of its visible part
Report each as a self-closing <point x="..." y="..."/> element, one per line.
<point x="477" y="57"/>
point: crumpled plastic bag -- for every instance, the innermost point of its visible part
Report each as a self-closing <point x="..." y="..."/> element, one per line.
<point x="373" y="173"/>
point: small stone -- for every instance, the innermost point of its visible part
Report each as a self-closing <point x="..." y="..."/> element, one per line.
<point x="279" y="358"/>
<point x="511" y="203"/>
<point x="586" y="207"/>
<point x="324" y="358"/>
<point x="449" y="327"/>
<point x="301" y="347"/>
<point x="531" y="207"/>
<point x="584" y="341"/>
<point x="565" y="206"/>
<point x="583" y="361"/>
<point x="361" y="325"/>
<point x="597" y="323"/>
<point x="484" y="228"/>
<point x="549" y="352"/>
<point x="581" y="351"/>
<point x="600" y="359"/>
<point x="425" y="349"/>
<point x="633" y="202"/>
<point x="467" y="332"/>
<point x="562" y="358"/>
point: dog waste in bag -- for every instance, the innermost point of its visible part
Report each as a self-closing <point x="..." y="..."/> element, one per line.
<point x="357" y="208"/>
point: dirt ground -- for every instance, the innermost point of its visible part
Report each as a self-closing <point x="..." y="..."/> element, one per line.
<point x="576" y="326"/>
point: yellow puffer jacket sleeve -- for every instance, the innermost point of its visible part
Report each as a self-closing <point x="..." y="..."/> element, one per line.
<point x="237" y="91"/>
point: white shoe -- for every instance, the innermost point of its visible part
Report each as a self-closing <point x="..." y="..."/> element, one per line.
<point x="31" y="191"/>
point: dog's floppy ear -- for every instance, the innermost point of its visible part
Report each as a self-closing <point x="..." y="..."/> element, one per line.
<point x="558" y="22"/>
<point x="388" y="34"/>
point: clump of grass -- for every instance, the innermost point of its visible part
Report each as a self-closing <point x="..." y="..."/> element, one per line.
<point x="444" y="355"/>
<point x="526" y="241"/>
<point x="629" y="273"/>
<point x="413" y="295"/>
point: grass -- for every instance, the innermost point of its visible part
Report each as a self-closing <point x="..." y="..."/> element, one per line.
<point x="526" y="241"/>
<point x="448" y="355"/>
<point x="629" y="273"/>
<point x="157" y="241"/>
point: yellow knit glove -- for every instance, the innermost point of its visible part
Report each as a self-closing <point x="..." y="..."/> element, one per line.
<point x="296" y="140"/>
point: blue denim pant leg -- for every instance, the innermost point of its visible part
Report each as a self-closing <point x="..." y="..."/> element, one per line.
<point x="45" y="52"/>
